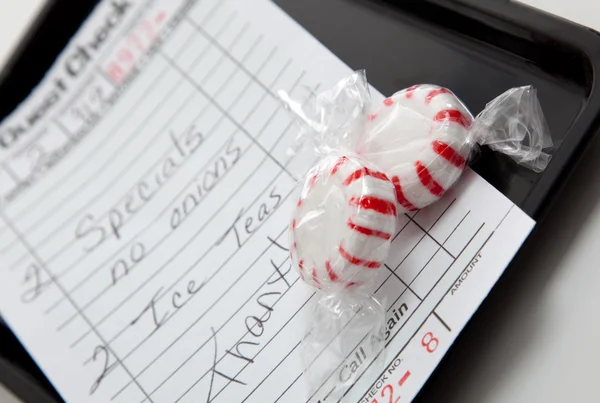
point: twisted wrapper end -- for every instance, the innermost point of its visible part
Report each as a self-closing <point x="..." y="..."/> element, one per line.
<point x="514" y="124"/>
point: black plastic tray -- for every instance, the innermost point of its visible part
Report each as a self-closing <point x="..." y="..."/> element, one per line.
<point x="478" y="48"/>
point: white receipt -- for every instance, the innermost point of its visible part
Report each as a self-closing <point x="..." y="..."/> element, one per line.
<point x="146" y="190"/>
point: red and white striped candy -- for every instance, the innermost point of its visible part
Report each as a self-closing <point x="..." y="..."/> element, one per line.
<point x="419" y="138"/>
<point x="343" y="224"/>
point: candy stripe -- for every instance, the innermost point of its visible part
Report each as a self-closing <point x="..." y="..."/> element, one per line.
<point x="410" y="91"/>
<point x="332" y="275"/>
<point x="368" y="231"/>
<point x="312" y="181"/>
<point x="338" y="164"/>
<point x="448" y="153"/>
<point x="452" y="115"/>
<point x="374" y="203"/>
<point x="434" y="93"/>
<point x="358" y="262"/>
<point x="301" y="267"/>
<point x="359" y="173"/>
<point x="425" y="177"/>
<point x="400" y="195"/>
<point x="315" y="277"/>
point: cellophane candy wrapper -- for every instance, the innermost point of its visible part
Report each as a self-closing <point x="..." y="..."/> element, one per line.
<point x="376" y="161"/>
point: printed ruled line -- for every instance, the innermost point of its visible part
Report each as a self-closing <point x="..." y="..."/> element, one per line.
<point x="436" y="306"/>
<point x="432" y="237"/>
<point x="187" y="272"/>
<point x="257" y="353"/>
<point x="413" y="311"/>
<point x="325" y="349"/>
<point x="312" y="363"/>
<point x="222" y="58"/>
<point x="226" y="52"/>
<point x="455" y="228"/>
<point x="63" y="129"/>
<point x="288" y="388"/>
<point x="393" y="274"/>
<point x="240" y="66"/>
<point x="402" y="229"/>
<point x="79" y="167"/>
<point x="232" y="195"/>
<point x="440" y="278"/>
<point x="182" y="334"/>
<point x="385" y="264"/>
<point x="34" y="254"/>
<point x="446" y="293"/>
<point x="164" y="294"/>
<point x="103" y="52"/>
<point x="410" y="252"/>
<point x="14" y="177"/>
<point x="112" y="132"/>
<point x="266" y="345"/>
<point x="71" y="195"/>
<point x="173" y="257"/>
<point x="468" y="243"/>
<point x="206" y="373"/>
<point x="442" y="321"/>
<point x="273" y="370"/>
<point x="276" y="79"/>
<point x="447" y="269"/>
<point x="212" y="12"/>
<point x="209" y="134"/>
<point x="212" y="100"/>
<point x="154" y="248"/>
<point x="338" y="367"/>
<point x="206" y="94"/>
<point x="114" y="156"/>
<point x="220" y="360"/>
<point x="84" y="256"/>
<point x="183" y="248"/>
<point x="505" y="215"/>
<point x="308" y="300"/>
<point x="441" y="215"/>
<point x="423" y="268"/>
<point x="387" y="343"/>
<point x="408" y="288"/>
<point x="121" y="174"/>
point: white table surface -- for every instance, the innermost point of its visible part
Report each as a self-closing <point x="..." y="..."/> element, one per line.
<point x="15" y="18"/>
<point x="540" y="343"/>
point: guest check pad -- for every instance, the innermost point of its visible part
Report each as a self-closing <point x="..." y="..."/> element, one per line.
<point x="146" y="189"/>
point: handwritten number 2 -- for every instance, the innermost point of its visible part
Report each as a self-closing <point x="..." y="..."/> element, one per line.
<point x="33" y="276"/>
<point x="391" y="389"/>
<point x="98" y="352"/>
